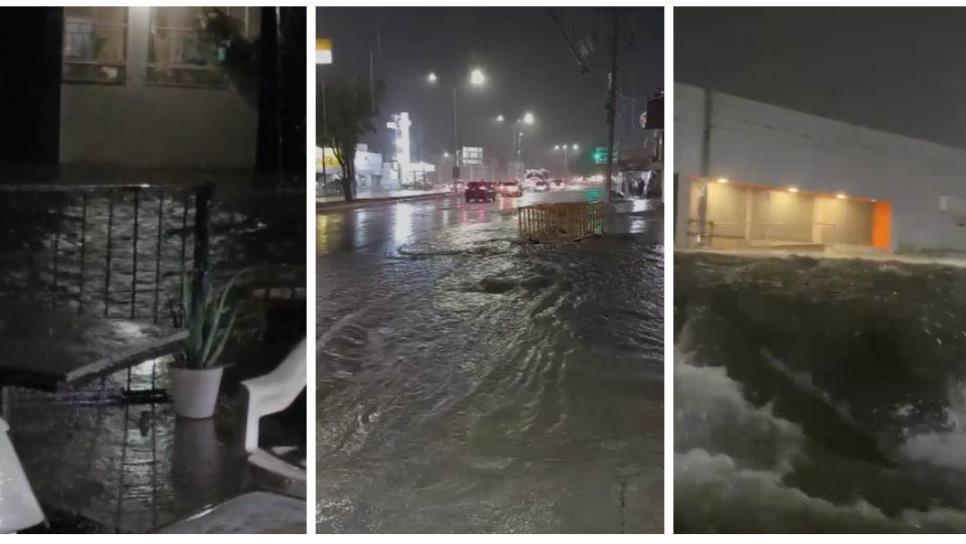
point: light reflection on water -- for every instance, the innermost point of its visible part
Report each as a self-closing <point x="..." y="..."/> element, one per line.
<point x="403" y="227"/>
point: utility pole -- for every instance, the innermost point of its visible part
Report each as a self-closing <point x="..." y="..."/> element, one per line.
<point x="325" y="134"/>
<point x="372" y="85"/>
<point x="611" y="107"/>
<point x="456" y="144"/>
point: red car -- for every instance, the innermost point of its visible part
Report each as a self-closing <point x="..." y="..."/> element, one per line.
<point x="480" y="191"/>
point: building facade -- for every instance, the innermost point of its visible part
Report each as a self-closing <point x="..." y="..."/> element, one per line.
<point x="147" y="87"/>
<point x="760" y="167"/>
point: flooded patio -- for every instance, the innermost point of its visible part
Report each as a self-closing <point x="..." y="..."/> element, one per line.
<point x="108" y="454"/>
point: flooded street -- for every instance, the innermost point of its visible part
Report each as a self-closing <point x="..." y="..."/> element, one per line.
<point x="469" y="382"/>
<point x="820" y="395"/>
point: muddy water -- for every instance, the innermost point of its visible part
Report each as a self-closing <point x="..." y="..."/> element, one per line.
<point x="471" y="383"/>
<point x="819" y="395"/>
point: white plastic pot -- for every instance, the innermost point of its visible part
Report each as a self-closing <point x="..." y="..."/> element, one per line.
<point x="195" y="392"/>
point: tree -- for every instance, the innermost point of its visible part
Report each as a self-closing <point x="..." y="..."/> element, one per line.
<point x="349" y="114"/>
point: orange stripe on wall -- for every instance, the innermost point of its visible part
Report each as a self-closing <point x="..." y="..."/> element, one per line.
<point x="882" y="225"/>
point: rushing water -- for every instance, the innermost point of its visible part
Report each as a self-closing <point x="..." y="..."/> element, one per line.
<point x="468" y="382"/>
<point x="819" y="395"/>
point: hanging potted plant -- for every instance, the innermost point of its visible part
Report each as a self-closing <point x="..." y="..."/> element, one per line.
<point x="196" y="373"/>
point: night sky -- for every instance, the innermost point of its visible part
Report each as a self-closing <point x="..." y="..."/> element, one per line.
<point x="526" y="60"/>
<point x="900" y="70"/>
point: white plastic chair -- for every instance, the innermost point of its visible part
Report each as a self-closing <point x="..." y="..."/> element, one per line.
<point x="19" y="508"/>
<point x="270" y="394"/>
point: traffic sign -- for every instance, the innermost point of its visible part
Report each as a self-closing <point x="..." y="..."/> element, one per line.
<point x="599" y="155"/>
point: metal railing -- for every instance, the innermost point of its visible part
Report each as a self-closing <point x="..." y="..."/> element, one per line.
<point x="562" y="220"/>
<point x="113" y="251"/>
<point x="705" y="234"/>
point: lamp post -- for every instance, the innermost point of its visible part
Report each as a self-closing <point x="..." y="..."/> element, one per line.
<point x="566" y="150"/>
<point x="528" y="119"/>
<point x="323" y="56"/>
<point x="477" y="79"/>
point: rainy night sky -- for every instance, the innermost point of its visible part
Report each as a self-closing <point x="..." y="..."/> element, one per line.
<point x="894" y="69"/>
<point x="526" y="60"/>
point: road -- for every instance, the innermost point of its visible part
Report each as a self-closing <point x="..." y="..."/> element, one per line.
<point x="470" y="382"/>
<point x="385" y="226"/>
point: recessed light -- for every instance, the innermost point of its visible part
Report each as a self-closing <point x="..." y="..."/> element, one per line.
<point x="793" y="189"/>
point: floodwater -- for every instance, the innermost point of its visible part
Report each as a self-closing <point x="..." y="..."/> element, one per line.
<point x="819" y="395"/>
<point x="469" y="382"/>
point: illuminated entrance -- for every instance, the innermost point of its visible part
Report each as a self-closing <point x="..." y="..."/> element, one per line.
<point x="724" y="214"/>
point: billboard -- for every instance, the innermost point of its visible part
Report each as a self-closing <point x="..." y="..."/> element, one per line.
<point x="472" y="155"/>
<point x="323" y="51"/>
<point x="326" y="156"/>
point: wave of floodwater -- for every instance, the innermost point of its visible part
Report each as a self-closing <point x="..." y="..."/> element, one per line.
<point x="819" y="395"/>
<point x="474" y="383"/>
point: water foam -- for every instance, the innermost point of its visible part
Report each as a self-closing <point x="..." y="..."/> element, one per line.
<point x="945" y="447"/>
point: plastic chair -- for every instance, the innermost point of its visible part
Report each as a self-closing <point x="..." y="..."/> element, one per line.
<point x="19" y="508"/>
<point x="270" y="394"/>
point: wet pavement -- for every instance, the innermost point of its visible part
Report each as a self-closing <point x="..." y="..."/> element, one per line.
<point x="470" y="382"/>
<point x="108" y="468"/>
<point x="394" y="194"/>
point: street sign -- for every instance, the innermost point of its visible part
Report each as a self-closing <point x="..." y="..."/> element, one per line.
<point x="599" y="155"/>
<point x="325" y="156"/>
<point x="323" y="51"/>
<point x="472" y="155"/>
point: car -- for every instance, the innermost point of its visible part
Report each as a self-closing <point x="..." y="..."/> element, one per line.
<point x="541" y="185"/>
<point x="557" y="184"/>
<point x="480" y="191"/>
<point x="510" y="188"/>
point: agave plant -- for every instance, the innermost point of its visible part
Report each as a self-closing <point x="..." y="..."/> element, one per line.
<point x="209" y="330"/>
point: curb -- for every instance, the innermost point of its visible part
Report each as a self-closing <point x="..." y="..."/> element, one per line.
<point x="325" y="206"/>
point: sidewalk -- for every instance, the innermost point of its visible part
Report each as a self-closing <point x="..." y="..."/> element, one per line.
<point x="372" y="197"/>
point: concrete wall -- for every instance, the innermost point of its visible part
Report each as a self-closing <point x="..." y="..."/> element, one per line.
<point x="151" y="126"/>
<point x="759" y="143"/>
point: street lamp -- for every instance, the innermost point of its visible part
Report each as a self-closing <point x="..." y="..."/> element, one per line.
<point x="527" y="119"/>
<point x="499" y="118"/>
<point x="565" y="149"/>
<point x="477" y="78"/>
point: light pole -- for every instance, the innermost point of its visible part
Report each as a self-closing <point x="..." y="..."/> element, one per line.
<point x="566" y="149"/>
<point x="323" y="56"/>
<point x="527" y="120"/>
<point x="477" y="79"/>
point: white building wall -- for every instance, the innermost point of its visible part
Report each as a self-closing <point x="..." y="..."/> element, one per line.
<point x="155" y="126"/>
<point x="759" y="143"/>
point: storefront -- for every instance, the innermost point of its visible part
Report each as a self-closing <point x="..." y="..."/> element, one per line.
<point x="728" y="214"/>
